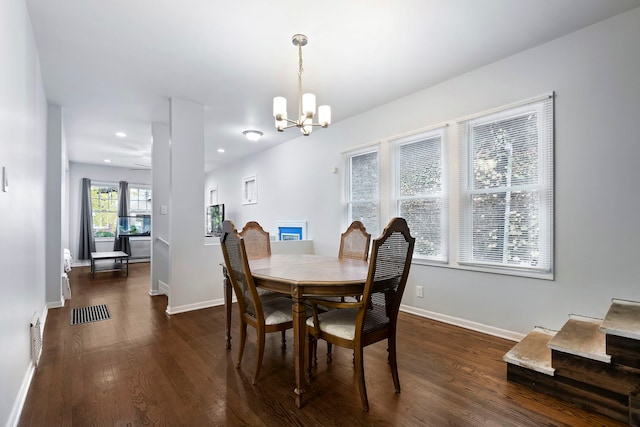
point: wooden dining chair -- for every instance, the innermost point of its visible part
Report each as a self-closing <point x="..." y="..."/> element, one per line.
<point x="265" y="315"/>
<point x="256" y="240"/>
<point x="354" y="242"/>
<point x="373" y="318"/>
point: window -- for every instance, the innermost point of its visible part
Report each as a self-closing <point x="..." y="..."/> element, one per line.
<point x="420" y="191"/>
<point x="104" y="204"/>
<point x="362" y="188"/>
<point x="139" y="201"/>
<point x="213" y="195"/>
<point x="249" y="190"/>
<point x="506" y="188"/>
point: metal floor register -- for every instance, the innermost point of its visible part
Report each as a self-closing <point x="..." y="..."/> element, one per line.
<point x="89" y="314"/>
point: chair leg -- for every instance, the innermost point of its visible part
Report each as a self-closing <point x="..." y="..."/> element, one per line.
<point x="315" y="351"/>
<point x="329" y="352"/>
<point x="360" y="377"/>
<point x="310" y="354"/>
<point x="243" y="339"/>
<point x="284" y="339"/>
<point x="260" y="338"/>
<point x="393" y="362"/>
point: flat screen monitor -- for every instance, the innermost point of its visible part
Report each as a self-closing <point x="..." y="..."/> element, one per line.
<point x="215" y="216"/>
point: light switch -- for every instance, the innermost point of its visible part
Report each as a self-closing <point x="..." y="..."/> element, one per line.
<point x="163" y="209"/>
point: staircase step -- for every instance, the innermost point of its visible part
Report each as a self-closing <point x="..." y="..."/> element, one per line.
<point x="532" y="352"/>
<point x="623" y="319"/>
<point x="612" y="405"/>
<point x="529" y="363"/>
<point x="581" y="336"/>
<point x="622" y="327"/>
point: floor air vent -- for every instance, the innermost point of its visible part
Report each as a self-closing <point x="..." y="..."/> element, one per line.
<point x="93" y="313"/>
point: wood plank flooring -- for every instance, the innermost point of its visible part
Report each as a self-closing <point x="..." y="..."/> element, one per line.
<point x="142" y="367"/>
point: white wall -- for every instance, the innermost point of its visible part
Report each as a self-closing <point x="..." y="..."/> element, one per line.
<point x="594" y="73"/>
<point x="23" y="118"/>
<point x="55" y="195"/>
<point x="96" y="173"/>
<point x="160" y="227"/>
<point x="188" y="289"/>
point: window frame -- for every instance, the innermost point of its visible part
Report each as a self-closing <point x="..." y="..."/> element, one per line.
<point x="544" y="188"/>
<point x="441" y="132"/>
<point x="116" y="188"/>
<point x="347" y="198"/>
<point x="147" y="202"/>
<point x="453" y="170"/>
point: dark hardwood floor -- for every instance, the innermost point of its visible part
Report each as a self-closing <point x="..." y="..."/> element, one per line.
<point x="143" y="367"/>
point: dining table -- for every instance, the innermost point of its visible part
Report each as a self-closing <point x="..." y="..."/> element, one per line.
<point x="301" y="276"/>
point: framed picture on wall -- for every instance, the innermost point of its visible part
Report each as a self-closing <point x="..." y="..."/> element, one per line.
<point x="292" y="230"/>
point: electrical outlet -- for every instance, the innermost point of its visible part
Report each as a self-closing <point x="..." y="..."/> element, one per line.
<point x="419" y="293"/>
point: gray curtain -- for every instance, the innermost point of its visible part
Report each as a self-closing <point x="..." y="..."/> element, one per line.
<point x="87" y="242"/>
<point x="122" y="243"/>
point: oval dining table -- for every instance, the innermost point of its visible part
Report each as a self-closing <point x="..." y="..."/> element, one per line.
<point x="301" y="276"/>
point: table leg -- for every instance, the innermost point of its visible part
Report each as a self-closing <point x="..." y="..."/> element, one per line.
<point x="299" y="332"/>
<point x="227" y="306"/>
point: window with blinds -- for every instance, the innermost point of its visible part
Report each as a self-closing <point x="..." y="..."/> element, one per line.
<point x="363" y="188"/>
<point x="506" y="188"/>
<point x="420" y="189"/>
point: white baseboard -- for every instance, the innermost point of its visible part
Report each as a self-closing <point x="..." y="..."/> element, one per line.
<point x="463" y="323"/>
<point x="16" y="411"/>
<point x="196" y="306"/>
<point x="56" y="304"/>
<point x="18" y="405"/>
<point x="163" y="288"/>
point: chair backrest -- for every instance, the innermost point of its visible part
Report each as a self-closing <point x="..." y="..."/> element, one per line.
<point x="256" y="240"/>
<point x="354" y="243"/>
<point x="391" y="256"/>
<point x="235" y="258"/>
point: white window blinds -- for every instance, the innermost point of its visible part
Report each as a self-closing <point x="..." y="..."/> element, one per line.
<point x="421" y="196"/>
<point x="362" y="192"/>
<point x="506" y="187"/>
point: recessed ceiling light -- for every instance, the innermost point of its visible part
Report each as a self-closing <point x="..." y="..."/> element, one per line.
<point x="220" y="150"/>
<point x="121" y="134"/>
<point x="252" y="135"/>
<point x="107" y="160"/>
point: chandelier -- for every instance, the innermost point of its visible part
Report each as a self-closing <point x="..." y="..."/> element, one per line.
<point x="306" y="102"/>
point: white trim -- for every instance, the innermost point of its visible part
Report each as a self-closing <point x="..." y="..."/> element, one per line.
<point x="18" y="404"/>
<point x="163" y="288"/>
<point x="21" y="397"/>
<point x="406" y="137"/>
<point x="505" y="107"/>
<point x="196" y="306"/>
<point x="463" y="323"/>
<point x="56" y="304"/>
<point x="249" y="199"/>
<point x="211" y="191"/>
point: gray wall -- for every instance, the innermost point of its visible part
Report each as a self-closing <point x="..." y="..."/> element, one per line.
<point x="23" y="128"/>
<point x="594" y="73"/>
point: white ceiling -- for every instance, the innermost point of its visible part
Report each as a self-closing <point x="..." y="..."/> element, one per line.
<point x="113" y="65"/>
